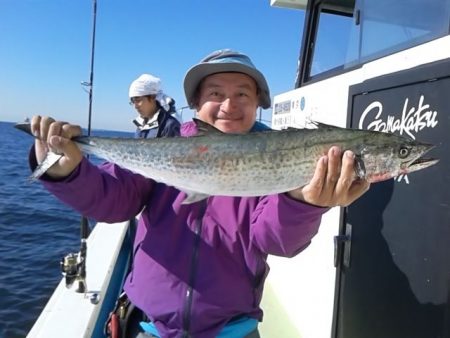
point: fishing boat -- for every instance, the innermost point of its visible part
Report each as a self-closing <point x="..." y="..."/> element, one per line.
<point x="378" y="268"/>
<point x="379" y="65"/>
<point x="80" y="305"/>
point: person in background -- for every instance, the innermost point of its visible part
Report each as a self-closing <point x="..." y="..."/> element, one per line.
<point x="155" y="108"/>
<point x="199" y="269"/>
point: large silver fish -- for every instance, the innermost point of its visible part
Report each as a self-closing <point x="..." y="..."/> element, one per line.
<point x="254" y="164"/>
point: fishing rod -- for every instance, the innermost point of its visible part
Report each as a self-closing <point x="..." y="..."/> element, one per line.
<point x="73" y="265"/>
<point x="90" y="84"/>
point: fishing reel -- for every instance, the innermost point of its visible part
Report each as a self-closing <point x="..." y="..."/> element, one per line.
<point x="73" y="268"/>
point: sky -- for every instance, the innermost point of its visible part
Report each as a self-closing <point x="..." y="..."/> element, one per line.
<point x="45" y="52"/>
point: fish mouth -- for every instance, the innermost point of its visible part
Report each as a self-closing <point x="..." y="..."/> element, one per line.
<point x="419" y="164"/>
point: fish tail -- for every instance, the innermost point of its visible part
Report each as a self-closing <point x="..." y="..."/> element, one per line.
<point x="25" y="127"/>
<point x="46" y="164"/>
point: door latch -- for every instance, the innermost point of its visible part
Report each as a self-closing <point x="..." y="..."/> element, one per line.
<point x="343" y="244"/>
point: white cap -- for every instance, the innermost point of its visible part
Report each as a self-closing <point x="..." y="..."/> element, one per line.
<point x="145" y="84"/>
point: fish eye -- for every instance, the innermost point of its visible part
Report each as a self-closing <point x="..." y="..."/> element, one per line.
<point x="403" y="152"/>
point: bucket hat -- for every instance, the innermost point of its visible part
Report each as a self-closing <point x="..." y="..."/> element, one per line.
<point x="225" y="61"/>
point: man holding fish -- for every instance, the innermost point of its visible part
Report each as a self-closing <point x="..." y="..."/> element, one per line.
<point x="200" y="261"/>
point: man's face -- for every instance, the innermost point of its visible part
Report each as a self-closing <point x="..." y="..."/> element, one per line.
<point x="228" y="101"/>
<point x="144" y="105"/>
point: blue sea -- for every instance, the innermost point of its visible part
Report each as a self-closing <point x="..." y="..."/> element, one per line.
<point x="36" y="231"/>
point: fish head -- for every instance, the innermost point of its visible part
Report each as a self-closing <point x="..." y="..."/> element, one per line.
<point x="388" y="155"/>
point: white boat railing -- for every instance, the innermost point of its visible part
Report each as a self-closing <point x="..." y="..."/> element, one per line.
<point x="73" y="315"/>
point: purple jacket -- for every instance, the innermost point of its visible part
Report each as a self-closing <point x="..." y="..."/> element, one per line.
<point x="196" y="266"/>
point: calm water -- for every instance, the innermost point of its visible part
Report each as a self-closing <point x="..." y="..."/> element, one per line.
<point x="36" y="231"/>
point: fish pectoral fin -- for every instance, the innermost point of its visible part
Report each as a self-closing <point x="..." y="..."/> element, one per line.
<point x="192" y="197"/>
<point x="360" y="168"/>
<point x="46" y="164"/>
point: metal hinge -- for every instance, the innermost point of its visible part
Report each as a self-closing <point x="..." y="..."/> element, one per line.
<point x="342" y="246"/>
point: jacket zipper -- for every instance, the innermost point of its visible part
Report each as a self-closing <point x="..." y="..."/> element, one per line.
<point x="192" y="273"/>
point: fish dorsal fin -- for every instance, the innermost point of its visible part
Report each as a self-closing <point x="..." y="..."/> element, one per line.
<point x="205" y="128"/>
<point x="312" y="124"/>
<point x="321" y="125"/>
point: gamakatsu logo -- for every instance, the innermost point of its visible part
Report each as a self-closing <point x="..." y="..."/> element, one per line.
<point x="413" y="119"/>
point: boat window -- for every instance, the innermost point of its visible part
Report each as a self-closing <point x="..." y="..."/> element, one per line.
<point x="334" y="46"/>
<point x="390" y="26"/>
<point x="363" y="30"/>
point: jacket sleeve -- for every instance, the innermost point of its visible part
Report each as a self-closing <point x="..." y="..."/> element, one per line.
<point x="106" y="193"/>
<point x="172" y="128"/>
<point x="283" y="226"/>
